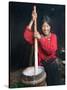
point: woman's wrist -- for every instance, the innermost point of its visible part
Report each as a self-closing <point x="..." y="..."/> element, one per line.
<point x="30" y="24"/>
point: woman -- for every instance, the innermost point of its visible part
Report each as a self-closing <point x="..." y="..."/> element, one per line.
<point x="47" y="47"/>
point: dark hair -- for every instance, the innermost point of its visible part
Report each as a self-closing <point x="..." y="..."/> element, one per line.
<point x="47" y="19"/>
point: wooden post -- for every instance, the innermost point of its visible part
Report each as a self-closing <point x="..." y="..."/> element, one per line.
<point x="35" y="45"/>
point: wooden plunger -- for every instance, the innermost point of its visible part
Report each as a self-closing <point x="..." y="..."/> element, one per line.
<point x="35" y="45"/>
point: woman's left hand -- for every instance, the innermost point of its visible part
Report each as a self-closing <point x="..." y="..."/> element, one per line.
<point x="37" y="35"/>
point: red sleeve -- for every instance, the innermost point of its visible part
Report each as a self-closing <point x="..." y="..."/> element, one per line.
<point x="28" y="35"/>
<point x="49" y="46"/>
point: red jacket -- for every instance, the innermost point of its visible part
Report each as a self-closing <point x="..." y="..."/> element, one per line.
<point x="46" y="46"/>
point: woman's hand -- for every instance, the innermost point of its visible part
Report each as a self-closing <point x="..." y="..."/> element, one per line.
<point x="34" y="15"/>
<point x="37" y="35"/>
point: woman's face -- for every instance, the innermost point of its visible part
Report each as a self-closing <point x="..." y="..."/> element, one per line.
<point x="46" y="28"/>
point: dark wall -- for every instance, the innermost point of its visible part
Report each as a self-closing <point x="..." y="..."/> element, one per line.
<point x="19" y="17"/>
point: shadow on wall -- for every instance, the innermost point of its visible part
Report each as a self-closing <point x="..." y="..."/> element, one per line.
<point x="19" y="57"/>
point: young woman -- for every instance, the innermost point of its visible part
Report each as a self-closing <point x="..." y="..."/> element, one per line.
<point x="47" y="47"/>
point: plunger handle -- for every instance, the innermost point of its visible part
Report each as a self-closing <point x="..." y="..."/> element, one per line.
<point x="35" y="45"/>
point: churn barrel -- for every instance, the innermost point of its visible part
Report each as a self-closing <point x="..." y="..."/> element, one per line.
<point x="30" y="78"/>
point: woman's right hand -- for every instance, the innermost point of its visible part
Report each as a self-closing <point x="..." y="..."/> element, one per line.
<point x="34" y="15"/>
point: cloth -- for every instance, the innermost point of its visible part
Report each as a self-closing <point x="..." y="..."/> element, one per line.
<point x="46" y="46"/>
<point x="52" y="70"/>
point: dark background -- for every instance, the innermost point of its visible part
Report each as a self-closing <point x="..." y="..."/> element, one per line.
<point x="19" y="17"/>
